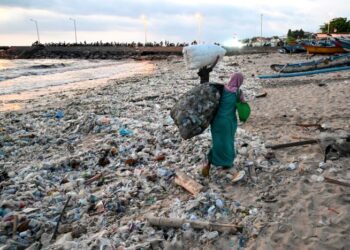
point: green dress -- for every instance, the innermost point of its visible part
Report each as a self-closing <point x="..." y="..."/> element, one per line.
<point x="223" y="130"/>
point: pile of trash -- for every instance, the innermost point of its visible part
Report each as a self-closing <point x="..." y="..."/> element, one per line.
<point x="85" y="174"/>
<point x="120" y="179"/>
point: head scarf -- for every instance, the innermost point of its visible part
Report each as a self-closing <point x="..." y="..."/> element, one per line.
<point x="233" y="85"/>
<point x="235" y="82"/>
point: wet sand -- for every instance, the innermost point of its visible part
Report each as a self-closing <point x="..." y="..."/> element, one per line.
<point x="308" y="214"/>
<point x="14" y="101"/>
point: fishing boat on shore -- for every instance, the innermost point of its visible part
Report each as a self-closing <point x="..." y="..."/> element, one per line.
<point x="306" y="73"/>
<point x="323" y="47"/>
<point x="317" y="49"/>
<point x="344" y="43"/>
<point x="327" y="62"/>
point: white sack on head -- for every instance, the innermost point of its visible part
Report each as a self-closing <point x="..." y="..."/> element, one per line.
<point x="198" y="56"/>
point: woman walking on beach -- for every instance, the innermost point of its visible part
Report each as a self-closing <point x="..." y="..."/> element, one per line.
<point x="224" y="126"/>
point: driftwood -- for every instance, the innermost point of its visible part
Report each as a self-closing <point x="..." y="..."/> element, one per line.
<point x="292" y="144"/>
<point x="300" y="138"/>
<point x="14" y="229"/>
<point x="187" y="183"/>
<point x="59" y="219"/>
<point x="31" y="136"/>
<point x="333" y="181"/>
<point x="264" y="94"/>
<point x="319" y="126"/>
<point x="94" y="178"/>
<point x="177" y="223"/>
<point x="146" y="98"/>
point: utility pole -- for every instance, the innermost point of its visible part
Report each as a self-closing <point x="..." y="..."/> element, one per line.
<point x="37" y="29"/>
<point x="199" y="18"/>
<point x="261" y="25"/>
<point x="75" y="29"/>
<point x="144" y="19"/>
<point x="330" y="15"/>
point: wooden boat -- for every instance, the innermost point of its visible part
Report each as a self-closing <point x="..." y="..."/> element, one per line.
<point x="312" y="72"/>
<point x="344" y="43"/>
<point x="316" y="49"/>
<point x="327" y="62"/>
<point x="292" y="48"/>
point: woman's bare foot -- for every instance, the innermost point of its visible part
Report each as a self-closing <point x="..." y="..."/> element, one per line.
<point x="206" y="169"/>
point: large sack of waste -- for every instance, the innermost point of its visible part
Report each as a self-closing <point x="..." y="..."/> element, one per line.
<point x="195" y="110"/>
<point x="198" y="56"/>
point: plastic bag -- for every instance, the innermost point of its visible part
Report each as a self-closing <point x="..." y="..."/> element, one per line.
<point x="198" y="56"/>
<point x="243" y="109"/>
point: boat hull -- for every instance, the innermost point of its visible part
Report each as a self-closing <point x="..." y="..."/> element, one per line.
<point x="344" y="43"/>
<point x="312" y="72"/>
<point x="323" y="50"/>
<point x="327" y="62"/>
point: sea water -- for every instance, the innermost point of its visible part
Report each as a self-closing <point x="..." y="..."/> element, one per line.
<point x="28" y="79"/>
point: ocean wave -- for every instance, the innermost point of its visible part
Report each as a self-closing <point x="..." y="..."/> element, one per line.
<point x="48" y="66"/>
<point x="23" y="70"/>
<point x="77" y="73"/>
<point x="32" y="68"/>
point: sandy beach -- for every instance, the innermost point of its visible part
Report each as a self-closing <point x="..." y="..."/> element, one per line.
<point x="53" y="142"/>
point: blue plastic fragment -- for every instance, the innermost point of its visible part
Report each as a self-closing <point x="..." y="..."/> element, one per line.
<point x="125" y="132"/>
<point x="242" y="241"/>
<point x="59" y="114"/>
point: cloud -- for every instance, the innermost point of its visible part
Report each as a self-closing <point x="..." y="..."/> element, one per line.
<point x="171" y="20"/>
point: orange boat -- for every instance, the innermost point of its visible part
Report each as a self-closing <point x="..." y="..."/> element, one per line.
<point x="312" y="49"/>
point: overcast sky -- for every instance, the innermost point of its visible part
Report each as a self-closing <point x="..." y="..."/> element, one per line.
<point x="174" y="20"/>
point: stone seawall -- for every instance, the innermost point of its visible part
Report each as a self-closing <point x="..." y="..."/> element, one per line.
<point x="107" y="52"/>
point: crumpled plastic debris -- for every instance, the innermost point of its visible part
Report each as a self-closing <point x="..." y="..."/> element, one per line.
<point x="49" y="154"/>
<point x="125" y="132"/>
<point x="59" y="114"/>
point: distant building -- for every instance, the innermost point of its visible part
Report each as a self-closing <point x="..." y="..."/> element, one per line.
<point x="265" y="41"/>
<point x="324" y="36"/>
<point x="260" y="41"/>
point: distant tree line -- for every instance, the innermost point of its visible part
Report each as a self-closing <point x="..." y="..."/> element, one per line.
<point x="256" y="38"/>
<point x="296" y="34"/>
<point x="336" y="25"/>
